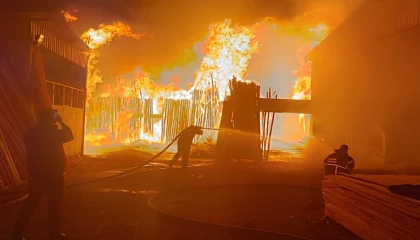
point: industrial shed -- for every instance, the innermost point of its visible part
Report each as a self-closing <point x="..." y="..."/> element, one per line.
<point x="64" y="57"/>
<point x="365" y="81"/>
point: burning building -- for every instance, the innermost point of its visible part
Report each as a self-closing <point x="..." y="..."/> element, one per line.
<point x="134" y="107"/>
<point x="364" y="87"/>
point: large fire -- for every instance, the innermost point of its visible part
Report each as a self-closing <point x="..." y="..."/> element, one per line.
<point x="131" y="108"/>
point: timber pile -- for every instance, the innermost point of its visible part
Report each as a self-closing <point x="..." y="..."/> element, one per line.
<point x="204" y="110"/>
<point x="365" y="205"/>
<point x="267" y="128"/>
<point x="226" y="126"/>
<point x="94" y="120"/>
<point x="121" y="116"/>
<point x="175" y="118"/>
<point x="245" y="137"/>
<point x="135" y="120"/>
<point x="148" y="116"/>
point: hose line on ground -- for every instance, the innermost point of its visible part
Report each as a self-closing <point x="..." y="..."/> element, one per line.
<point x="104" y="178"/>
<point x="149" y="203"/>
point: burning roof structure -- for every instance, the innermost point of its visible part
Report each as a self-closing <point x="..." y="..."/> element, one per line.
<point x="134" y="107"/>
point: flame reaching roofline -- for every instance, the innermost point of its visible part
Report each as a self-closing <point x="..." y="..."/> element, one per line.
<point x="228" y="48"/>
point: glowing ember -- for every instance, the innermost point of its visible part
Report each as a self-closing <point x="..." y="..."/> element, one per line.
<point x="69" y="17"/>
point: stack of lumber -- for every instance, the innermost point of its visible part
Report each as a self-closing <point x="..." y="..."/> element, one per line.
<point x="204" y="111"/>
<point x="244" y="139"/>
<point x="226" y="126"/>
<point x="135" y="121"/>
<point x="120" y="116"/>
<point x="148" y="116"/>
<point x="175" y="118"/>
<point x="365" y="205"/>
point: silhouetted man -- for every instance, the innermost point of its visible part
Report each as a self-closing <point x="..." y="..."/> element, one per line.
<point x="339" y="162"/>
<point x="46" y="163"/>
<point x="184" y="145"/>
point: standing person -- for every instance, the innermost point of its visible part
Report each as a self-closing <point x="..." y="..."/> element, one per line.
<point x="339" y="162"/>
<point x="46" y="164"/>
<point x="184" y="145"/>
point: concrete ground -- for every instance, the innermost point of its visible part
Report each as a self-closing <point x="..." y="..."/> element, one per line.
<point x="117" y="209"/>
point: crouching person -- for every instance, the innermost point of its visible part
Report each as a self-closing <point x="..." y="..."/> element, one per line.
<point x="339" y="162"/>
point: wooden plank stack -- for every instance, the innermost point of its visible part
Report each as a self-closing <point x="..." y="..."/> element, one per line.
<point x="244" y="139"/>
<point x="267" y="128"/>
<point x="119" y="116"/>
<point x="365" y="205"/>
<point x="225" y="132"/>
<point x="205" y="111"/>
<point x="148" y="116"/>
<point x="175" y="118"/>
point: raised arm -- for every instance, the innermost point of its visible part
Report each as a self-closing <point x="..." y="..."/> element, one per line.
<point x="65" y="134"/>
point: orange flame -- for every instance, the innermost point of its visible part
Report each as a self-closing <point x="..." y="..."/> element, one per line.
<point x="105" y="33"/>
<point x="97" y="38"/>
<point x="228" y="50"/>
<point x="69" y="17"/>
<point x="302" y="88"/>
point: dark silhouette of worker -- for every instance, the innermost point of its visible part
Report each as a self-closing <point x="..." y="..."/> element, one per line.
<point x="339" y="162"/>
<point x="184" y="145"/>
<point x="46" y="164"/>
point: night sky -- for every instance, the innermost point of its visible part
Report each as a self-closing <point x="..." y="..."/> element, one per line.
<point x="177" y="24"/>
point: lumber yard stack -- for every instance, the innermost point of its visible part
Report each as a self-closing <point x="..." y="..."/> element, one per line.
<point x="374" y="206"/>
<point x="240" y="122"/>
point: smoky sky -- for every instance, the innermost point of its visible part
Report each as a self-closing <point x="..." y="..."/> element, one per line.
<point x="177" y="24"/>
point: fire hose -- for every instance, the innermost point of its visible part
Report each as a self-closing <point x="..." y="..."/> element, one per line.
<point x="73" y="185"/>
<point x="248" y="231"/>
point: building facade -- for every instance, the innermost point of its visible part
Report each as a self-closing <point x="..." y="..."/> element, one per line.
<point x="64" y="57"/>
<point x="365" y="79"/>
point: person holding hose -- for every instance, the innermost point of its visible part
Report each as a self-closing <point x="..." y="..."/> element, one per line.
<point x="46" y="165"/>
<point x="184" y="145"/>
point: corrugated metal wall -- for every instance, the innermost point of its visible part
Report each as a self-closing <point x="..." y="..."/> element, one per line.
<point x="373" y="81"/>
<point x="18" y="34"/>
<point x="373" y="20"/>
<point x="58" y="46"/>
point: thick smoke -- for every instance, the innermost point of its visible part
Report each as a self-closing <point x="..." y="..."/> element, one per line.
<point x="177" y="25"/>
